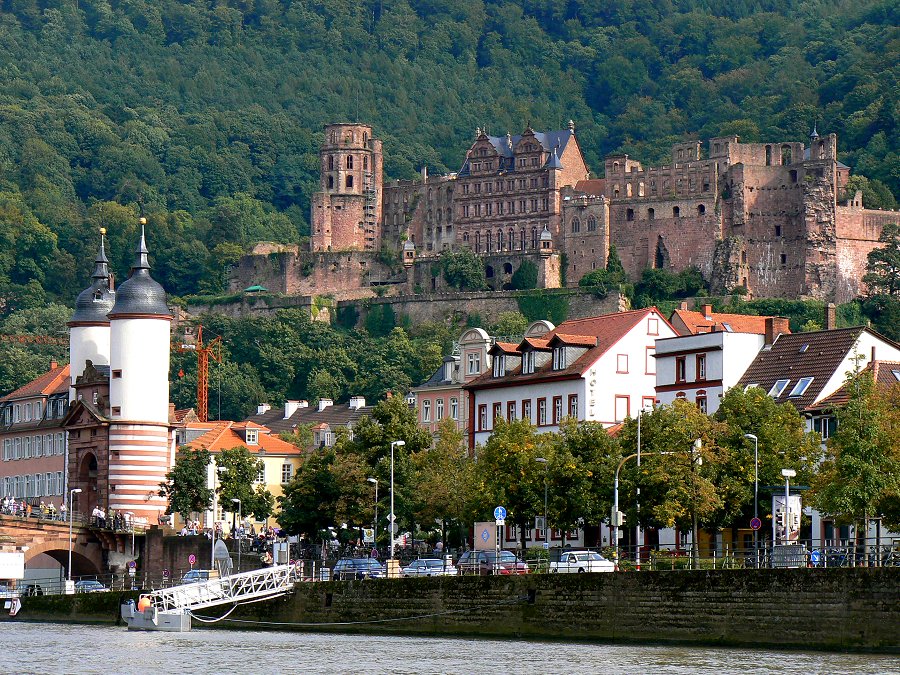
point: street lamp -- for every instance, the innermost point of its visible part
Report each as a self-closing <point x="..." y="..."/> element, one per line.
<point x="696" y="460"/>
<point x="72" y="493"/>
<point x="374" y="481"/>
<point x="788" y="474"/>
<point x="755" y="440"/>
<point x="237" y="501"/>
<point x="212" y="527"/>
<point x="543" y="461"/>
<point x="393" y="519"/>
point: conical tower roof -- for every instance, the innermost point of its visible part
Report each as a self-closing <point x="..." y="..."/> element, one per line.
<point x="95" y="302"/>
<point x="140" y="294"/>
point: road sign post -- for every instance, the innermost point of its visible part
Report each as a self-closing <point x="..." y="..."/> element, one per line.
<point x="191" y="560"/>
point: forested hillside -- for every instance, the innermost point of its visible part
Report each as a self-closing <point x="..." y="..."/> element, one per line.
<point x="207" y="115"/>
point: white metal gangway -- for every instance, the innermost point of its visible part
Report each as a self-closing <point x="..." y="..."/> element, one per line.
<point x="170" y="608"/>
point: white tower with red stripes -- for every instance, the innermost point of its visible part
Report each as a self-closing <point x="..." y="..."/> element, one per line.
<point x="141" y="442"/>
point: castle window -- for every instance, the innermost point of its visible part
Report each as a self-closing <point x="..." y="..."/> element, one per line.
<point x="490" y="242"/>
<point x="365" y="138"/>
<point x="576" y="225"/>
<point x="330" y="182"/>
<point x="349" y="161"/>
<point x="641" y="189"/>
<point x="793" y="175"/>
<point x="784" y="258"/>
<point x="511" y="239"/>
<point x="592" y="224"/>
<point x="651" y="214"/>
<point x="629" y="214"/>
<point x="786" y="154"/>
<point x="778" y="230"/>
<point x="331" y="162"/>
<point x="465" y="237"/>
<point x="117" y="374"/>
<point x="768" y="155"/>
<point x="365" y="162"/>
<point x="744" y="257"/>
<point x="349" y="181"/>
<point x="499" y="239"/>
<point x="507" y="268"/>
<point x="534" y="237"/>
<point x="676" y="212"/>
<point x="478" y="242"/>
<point x="522" y="240"/>
<point x="334" y="137"/>
<point x="701" y="209"/>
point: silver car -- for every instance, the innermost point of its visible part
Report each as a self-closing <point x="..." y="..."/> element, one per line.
<point x="429" y="567"/>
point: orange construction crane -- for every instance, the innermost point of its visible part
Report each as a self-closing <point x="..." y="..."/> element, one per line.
<point x="204" y="352"/>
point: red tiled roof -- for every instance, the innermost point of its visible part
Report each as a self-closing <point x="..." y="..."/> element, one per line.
<point x="223" y="435"/>
<point x="506" y="348"/>
<point x="602" y="331"/>
<point x="574" y="340"/>
<point x="591" y="186"/>
<point x="184" y="415"/>
<point x="886" y="374"/>
<point x="535" y="343"/>
<point x="697" y="322"/>
<point x="54" y="381"/>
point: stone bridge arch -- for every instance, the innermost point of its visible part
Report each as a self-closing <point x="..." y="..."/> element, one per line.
<point x="87" y="556"/>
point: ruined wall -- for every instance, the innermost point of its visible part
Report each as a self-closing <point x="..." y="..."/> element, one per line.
<point x="584" y="236"/>
<point x="427" y="276"/>
<point x="456" y="308"/>
<point x="857" y="230"/>
<point x="421" y="210"/>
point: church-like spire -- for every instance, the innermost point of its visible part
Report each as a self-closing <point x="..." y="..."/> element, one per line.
<point x="140" y="294"/>
<point x="815" y="134"/>
<point x="101" y="263"/>
<point x="142" y="260"/>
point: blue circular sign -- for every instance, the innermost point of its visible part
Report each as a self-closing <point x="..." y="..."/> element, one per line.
<point x="500" y="513"/>
<point x="755" y="524"/>
<point x="815" y="557"/>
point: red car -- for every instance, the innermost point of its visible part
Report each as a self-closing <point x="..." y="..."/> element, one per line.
<point x="486" y="562"/>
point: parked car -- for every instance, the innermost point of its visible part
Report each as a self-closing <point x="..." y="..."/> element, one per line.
<point x="581" y="561"/>
<point x="196" y="576"/>
<point x="429" y="567"/>
<point x="358" y="568"/>
<point x="89" y="586"/>
<point x="486" y="562"/>
<point x="6" y="592"/>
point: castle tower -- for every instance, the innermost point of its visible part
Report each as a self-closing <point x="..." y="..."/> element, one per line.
<point x="140" y="443"/>
<point x="89" y="333"/>
<point x="346" y="212"/>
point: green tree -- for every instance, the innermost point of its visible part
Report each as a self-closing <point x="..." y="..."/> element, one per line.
<point x="463" y="270"/>
<point x="861" y="469"/>
<point x="308" y="503"/>
<point x="883" y="267"/>
<point x="186" y="486"/>
<point x="506" y="473"/>
<point x="509" y="324"/>
<point x="525" y="277"/>
<point x="238" y="481"/>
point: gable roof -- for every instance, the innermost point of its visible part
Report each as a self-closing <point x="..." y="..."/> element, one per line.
<point x="333" y="415"/>
<point x="697" y="322"/>
<point x="886" y="374"/>
<point x="223" y="435"/>
<point x="817" y="354"/>
<point x="54" y="381"/>
<point x="504" y="146"/>
<point x="597" y="333"/>
<point x="595" y="187"/>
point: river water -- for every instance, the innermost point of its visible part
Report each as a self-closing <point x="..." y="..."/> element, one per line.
<point x="58" y="648"/>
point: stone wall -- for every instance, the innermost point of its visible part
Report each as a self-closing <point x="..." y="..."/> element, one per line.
<point x="456" y="308"/>
<point x="833" y="609"/>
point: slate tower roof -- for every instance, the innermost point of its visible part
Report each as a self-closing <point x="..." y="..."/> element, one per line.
<point x="95" y="302"/>
<point x="140" y="294"/>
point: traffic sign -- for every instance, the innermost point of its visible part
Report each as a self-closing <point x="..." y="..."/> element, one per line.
<point x="500" y="513"/>
<point x="546" y="545"/>
<point x="755" y="524"/>
<point x="192" y="559"/>
<point x="815" y="556"/>
<point x="485" y="535"/>
<point x="501" y="523"/>
<point x="165" y="574"/>
<point x="132" y="564"/>
<point x="391" y="517"/>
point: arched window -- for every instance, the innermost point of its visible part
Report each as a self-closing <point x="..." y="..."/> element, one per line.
<point x="511" y="240"/>
<point x="592" y="224"/>
<point x="499" y="240"/>
<point x="576" y="225"/>
<point x="534" y="237"/>
<point x="676" y="212"/>
<point x="365" y="138"/>
<point x="331" y="162"/>
<point x="334" y="137"/>
<point x="768" y="155"/>
<point x="478" y="242"/>
<point x="365" y="162"/>
<point x="489" y="272"/>
<point x="651" y="214"/>
<point x="490" y="241"/>
<point x="465" y="237"/>
<point x="349" y="161"/>
<point x="701" y="209"/>
<point x="507" y="268"/>
<point x="522" y="240"/>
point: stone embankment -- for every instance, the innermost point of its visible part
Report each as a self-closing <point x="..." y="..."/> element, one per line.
<point x="833" y="609"/>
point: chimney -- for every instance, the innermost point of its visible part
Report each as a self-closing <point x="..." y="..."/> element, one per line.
<point x="683" y="305"/>
<point x="304" y="403"/>
<point x="290" y="407"/>
<point x="830" y="316"/>
<point x="263" y="408"/>
<point x="53" y="364"/>
<point x="707" y="312"/>
<point x="357" y="402"/>
<point x="770" y="330"/>
<point x="324" y="403"/>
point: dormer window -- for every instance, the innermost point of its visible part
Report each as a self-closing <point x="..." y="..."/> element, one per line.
<point x="473" y="360"/>
<point x="527" y="362"/>
<point x="801" y="386"/>
<point x="778" y="388"/>
<point x="252" y="436"/>
<point x="559" y="358"/>
<point x="500" y="365"/>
